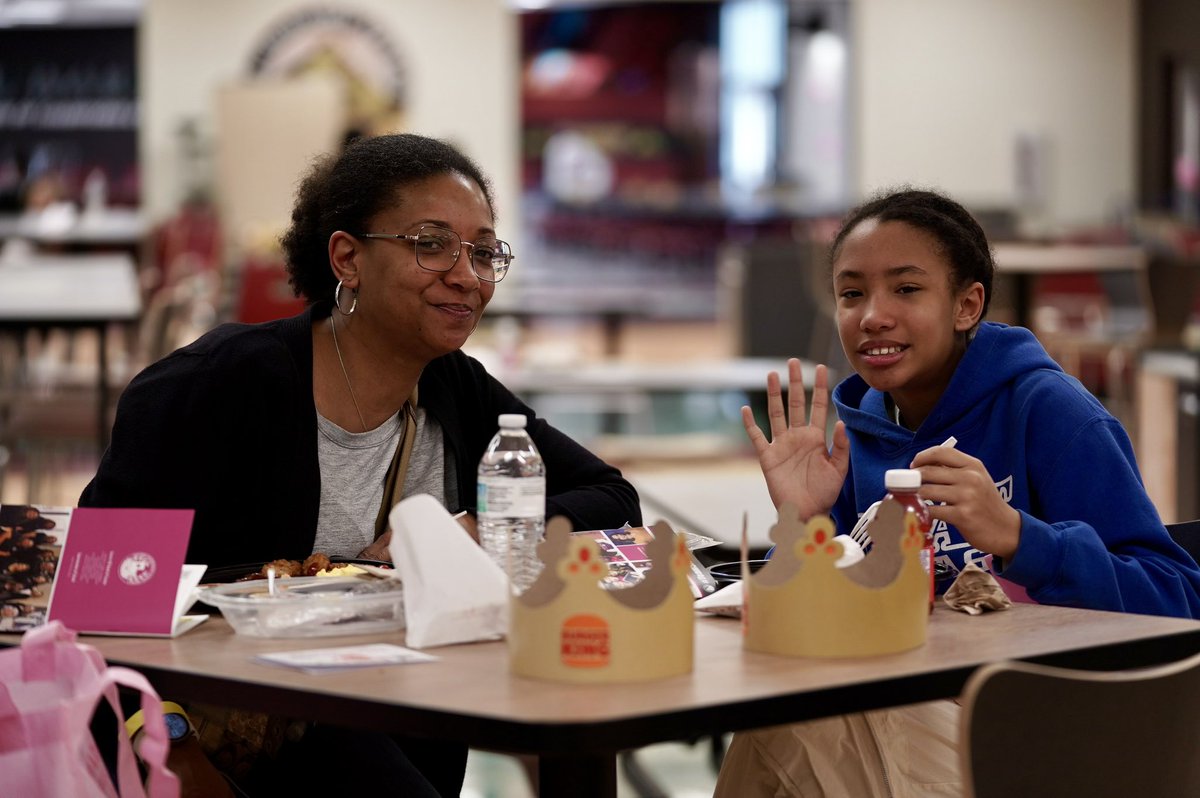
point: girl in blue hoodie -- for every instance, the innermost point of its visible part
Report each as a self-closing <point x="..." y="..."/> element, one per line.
<point x="1043" y="477"/>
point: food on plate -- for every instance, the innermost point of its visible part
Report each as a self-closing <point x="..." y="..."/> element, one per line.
<point x="281" y="568"/>
<point x="342" y="569"/>
<point x="316" y="564"/>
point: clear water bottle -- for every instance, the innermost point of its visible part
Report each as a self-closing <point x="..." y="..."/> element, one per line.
<point x="511" y="501"/>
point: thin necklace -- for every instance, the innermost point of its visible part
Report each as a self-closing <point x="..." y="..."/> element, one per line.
<point x="346" y="374"/>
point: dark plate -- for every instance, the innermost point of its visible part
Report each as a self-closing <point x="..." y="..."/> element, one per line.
<point x="231" y="573"/>
<point x="728" y="572"/>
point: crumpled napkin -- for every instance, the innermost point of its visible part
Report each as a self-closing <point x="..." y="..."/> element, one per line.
<point x="976" y="590"/>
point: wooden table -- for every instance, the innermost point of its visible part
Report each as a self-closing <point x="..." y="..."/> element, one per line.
<point x="72" y="291"/>
<point x="577" y="731"/>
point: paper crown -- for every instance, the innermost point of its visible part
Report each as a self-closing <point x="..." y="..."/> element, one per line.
<point x="801" y="604"/>
<point x="568" y="628"/>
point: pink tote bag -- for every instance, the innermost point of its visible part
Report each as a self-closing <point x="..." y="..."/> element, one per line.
<point x="49" y="687"/>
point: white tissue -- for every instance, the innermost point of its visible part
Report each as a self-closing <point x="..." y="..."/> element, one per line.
<point x="852" y="552"/>
<point x="453" y="592"/>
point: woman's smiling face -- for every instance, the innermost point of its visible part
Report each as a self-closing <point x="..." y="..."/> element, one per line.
<point x="429" y="313"/>
<point x="900" y="319"/>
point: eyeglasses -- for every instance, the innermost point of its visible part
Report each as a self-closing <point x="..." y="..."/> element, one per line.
<point x="438" y="249"/>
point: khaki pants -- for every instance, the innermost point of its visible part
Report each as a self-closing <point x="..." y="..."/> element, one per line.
<point x="910" y="752"/>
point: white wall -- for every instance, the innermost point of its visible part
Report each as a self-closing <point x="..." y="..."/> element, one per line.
<point x="456" y="89"/>
<point x="943" y="88"/>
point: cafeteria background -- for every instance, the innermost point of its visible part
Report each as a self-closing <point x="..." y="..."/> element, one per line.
<point x="663" y="170"/>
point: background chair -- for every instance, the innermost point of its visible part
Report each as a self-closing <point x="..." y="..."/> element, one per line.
<point x="1187" y="535"/>
<point x="1030" y="730"/>
<point x="48" y="397"/>
<point x="778" y="294"/>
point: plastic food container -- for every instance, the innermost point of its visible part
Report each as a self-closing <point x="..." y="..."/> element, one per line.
<point x="310" y="606"/>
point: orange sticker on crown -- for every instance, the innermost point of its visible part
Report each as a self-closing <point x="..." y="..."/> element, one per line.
<point x="585" y="642"/>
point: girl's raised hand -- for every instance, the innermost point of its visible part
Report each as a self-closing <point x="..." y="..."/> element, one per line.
<point x="796" y="462"/>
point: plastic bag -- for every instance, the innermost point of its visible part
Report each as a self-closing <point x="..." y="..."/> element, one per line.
<point x="49" y="688"/>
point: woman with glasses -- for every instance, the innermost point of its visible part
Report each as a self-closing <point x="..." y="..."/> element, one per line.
<point x="298" y="436"/>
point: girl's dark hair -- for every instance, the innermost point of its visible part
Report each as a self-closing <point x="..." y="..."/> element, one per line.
<point x="343" y="191"/>
<point x="961" y="238"/>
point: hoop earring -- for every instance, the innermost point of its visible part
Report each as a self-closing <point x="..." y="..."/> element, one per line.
<point x="337" y="300"/>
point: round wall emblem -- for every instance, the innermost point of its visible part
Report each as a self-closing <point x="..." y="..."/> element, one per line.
<point x="351" y="48"/>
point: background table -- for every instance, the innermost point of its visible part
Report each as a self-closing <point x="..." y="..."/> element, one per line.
<point x="708" y="498"/>
<point x="112" y="227"/>
<point x="469" y="695"/>
<point x="1023" y="263"/>
<point x="72" y="291"/>
<point x="745" y="374"/>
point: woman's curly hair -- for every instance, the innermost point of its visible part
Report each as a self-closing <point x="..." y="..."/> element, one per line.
<point x="343" y="191"/>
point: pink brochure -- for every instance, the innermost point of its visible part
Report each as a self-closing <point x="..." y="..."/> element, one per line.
<point x="120" y="571"/>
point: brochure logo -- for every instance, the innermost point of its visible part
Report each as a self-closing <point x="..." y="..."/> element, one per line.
<point x="137" y="569"/>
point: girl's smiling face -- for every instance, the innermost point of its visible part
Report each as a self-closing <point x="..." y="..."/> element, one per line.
<point x="901" y="319"/>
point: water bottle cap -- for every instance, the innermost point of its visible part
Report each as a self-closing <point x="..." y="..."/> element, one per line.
<point x="512" y="420"/>
<point x="902" y="479"/>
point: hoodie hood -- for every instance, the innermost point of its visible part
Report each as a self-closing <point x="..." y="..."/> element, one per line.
<point x="997" y="356"/>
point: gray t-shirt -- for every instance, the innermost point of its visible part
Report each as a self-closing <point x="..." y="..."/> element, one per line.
<point x="353" y="468"/>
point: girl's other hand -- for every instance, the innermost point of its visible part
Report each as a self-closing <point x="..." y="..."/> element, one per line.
<point x="965" y="496"/>
<point x="797" y="463"/>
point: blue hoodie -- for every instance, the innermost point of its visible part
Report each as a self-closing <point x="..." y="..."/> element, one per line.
<point x="1090" y="537"/>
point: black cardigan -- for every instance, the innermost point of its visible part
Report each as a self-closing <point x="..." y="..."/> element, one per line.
<point x="227" y="426"/>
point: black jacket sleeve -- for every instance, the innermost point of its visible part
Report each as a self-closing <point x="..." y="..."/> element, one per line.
<point x="224" y="427"/>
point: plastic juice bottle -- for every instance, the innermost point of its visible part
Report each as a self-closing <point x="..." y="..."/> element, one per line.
<point x="904" y="485"/>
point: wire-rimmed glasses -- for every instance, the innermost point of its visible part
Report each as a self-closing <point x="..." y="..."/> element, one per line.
<point x="437" y="250"/>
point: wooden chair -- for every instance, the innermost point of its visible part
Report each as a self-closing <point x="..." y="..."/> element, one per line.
<point x="1031" y="730"/>
<point x="1187" y="535"/>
